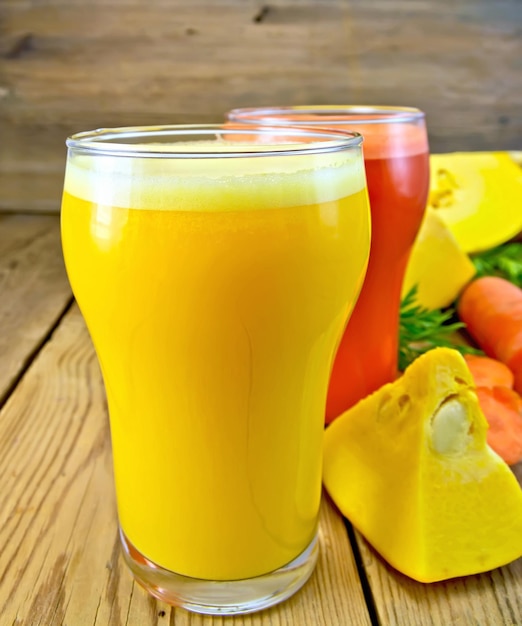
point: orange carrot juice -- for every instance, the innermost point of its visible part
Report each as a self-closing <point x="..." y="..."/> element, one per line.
<point x="216" y="294"/>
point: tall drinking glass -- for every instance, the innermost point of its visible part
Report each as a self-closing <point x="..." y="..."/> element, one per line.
<point x="397" y="169"/>
<point x="215" y="269"/>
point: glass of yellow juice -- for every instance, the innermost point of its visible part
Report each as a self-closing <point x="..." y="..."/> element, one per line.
<point x="216" y="268"/>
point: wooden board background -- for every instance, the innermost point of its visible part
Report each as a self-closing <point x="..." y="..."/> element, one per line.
<point x="70" y="65"/>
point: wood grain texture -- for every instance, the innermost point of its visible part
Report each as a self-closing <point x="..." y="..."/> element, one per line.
<point x="60" y="563"/>
<point x="68" y="65"/>
<point x="34" y="290"/>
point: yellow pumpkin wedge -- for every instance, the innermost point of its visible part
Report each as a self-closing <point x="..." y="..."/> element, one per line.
<point x="437" y="265"/>
<point x="478" y="195"/>
<point x="410" y="468"/>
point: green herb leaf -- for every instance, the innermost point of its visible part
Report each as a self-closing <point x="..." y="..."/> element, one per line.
<point x="421" y="330"/>
<point x="504" y="261"/>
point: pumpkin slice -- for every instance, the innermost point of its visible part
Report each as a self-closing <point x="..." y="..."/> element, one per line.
<point x="437" y="265"/>
<point x="410" y="468"/>
<point x="478" y="195"/>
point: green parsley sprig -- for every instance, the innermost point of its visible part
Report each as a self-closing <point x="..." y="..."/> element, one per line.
<point x="504" y="261"/>
<point x="421" y="330"/>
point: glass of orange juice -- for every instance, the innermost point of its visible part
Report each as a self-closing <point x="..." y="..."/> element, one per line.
<point x="397" y="170"/>
<point x="215" y="269"/>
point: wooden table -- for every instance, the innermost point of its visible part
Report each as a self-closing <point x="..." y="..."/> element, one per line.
<point x="60" y="561"/>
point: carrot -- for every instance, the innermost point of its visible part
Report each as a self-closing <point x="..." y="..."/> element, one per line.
<point x="502" y="408"/>
<point x="491" y="308"/>
<point x="488" y="372"/>
<point x="501" y="405"/>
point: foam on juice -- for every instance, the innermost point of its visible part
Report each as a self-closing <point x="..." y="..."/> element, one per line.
<point x="199" y="184"/>
<point x="399" y="140"/>
<point x="382" y="137"/>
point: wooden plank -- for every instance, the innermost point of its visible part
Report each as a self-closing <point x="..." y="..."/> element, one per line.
<point x="34" y="290"/>
<point x="68" y="66"/>
<point x="60" y="561"/>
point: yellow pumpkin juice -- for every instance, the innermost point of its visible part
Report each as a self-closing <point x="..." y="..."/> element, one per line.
<point x="215" y="302"/>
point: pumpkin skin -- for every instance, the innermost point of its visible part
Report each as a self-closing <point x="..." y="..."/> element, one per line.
<point x="409" y="466"/>
<point x="479" y="197"/>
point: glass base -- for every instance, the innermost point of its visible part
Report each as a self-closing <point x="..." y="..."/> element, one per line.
<point x="221" y="597"/>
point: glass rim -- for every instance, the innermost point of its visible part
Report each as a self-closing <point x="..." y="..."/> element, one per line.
<point x="363" y="112"/>
<point x="111" y="141"/>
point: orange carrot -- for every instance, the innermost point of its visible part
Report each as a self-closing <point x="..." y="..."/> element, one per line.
<point x="491" y="308"/>
<point x="501" y="405"/>
<point x="488" y="372"/>
<point x="502" y="408"/>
